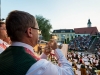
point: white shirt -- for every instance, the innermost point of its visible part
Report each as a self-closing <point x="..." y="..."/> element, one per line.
<point x="1" y="48"/>
<point x="98" y="53"/>
<point x="44" y="67"/>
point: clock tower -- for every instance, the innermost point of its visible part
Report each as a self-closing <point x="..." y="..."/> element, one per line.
<point x="89" y="23"/>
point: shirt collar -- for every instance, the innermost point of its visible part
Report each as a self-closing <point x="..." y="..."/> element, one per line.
<point x="23" y="45"/>
<point x="1" y="41"/>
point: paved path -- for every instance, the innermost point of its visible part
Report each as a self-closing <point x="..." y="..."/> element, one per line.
<point x="65" y="49"/>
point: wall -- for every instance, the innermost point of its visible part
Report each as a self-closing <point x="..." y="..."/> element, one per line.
<point x="81" y="34"/>
<point x="67" y="35"/>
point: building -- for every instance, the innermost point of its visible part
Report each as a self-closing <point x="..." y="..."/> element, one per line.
<point x="64" y="34"/>
<point x="86" y="31"/>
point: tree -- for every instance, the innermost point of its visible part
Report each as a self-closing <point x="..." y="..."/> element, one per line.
<point x="45" y="26"/>
<point x="67" y="40"/>
<point x="71" y="37"/>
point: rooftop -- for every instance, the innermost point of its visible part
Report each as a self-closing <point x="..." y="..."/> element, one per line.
<point x="86" y="30"/>
<point x="63" y="31"/>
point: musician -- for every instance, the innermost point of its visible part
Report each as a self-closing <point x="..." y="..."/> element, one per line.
<point x="39" y="49"/>
<point x="3" y="35"/>
<point x="19" y="58"/>
<point x="98" y="53"/>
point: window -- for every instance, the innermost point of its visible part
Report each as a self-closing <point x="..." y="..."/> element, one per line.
<point x="63" y="37"/>
<point x="62" y="31"/>
<point x="73" y="35"/>
<point x="67" y="34"/>
<point x="71" y="31"/>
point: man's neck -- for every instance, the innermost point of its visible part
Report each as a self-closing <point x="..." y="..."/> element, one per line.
<point x="1" y="38"/>
<point x="28" y="41"/>
<point x="23" y="45"/>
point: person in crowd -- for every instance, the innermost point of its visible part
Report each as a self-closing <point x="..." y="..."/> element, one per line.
<point x="76" y="57"/>
<point x="19" y="58"/>
<point x="80" y="60"/>
<point x="3" y="35"/>
<point x="93" y="69"/>
<point x="83" y="70"/>
<point x="88" y="70"/>
<point x="39" y="49"/>
<point x="89" y="60"/>
<point x="7" y="40"/>
<point x="74" y="65"/>
<point x="98" y="53"/>
<point x="98" y="66"/>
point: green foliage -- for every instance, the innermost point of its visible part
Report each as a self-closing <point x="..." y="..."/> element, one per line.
<point x="93" y="37"/>
<point x="67" y="40"/>
<point x="45" y="26"/>
<point x="71" y="37"/>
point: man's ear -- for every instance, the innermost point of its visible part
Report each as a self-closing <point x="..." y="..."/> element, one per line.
<point x="29" y="32"/>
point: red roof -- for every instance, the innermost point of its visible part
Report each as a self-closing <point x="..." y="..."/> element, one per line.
<point x="86" y="30"/>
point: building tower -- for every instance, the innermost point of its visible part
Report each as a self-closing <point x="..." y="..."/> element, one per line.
<point x="89" y="23"/>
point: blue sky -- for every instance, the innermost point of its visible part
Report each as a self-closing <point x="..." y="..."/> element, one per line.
<point x="63" y="14"/>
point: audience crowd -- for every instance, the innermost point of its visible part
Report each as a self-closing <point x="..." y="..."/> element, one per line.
<point x="84" y="64"/>
<point x="80" y="43"/>
<point x="97" y="46"/>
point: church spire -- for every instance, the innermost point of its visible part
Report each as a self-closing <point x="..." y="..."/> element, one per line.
<point x="89" y="23"/>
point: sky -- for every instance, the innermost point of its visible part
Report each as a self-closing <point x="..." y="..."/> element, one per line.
<point x="63" y="14"/>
